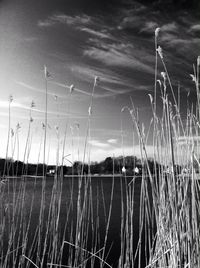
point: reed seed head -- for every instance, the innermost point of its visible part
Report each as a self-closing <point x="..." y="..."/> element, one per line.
<point x="33" y="104"/>
<point x="124" y="108"/>
<point x="96" y="80"/>
<point x="77" y="125"/>
<point x="160" y="52"/>
<point x="71" y="89"/>
<point x="10" y="98"/>
<point x="157" y="30"/>
<point x="193" y="78"/>
<point x="18" y="126"/>
<point x="72" y="129"/>
<point x="198" y="60"/>
<point x="151" y="98"/>
<point x="163" y="74"/>
<point x="43" y="125"/>
<point x="159" y="82"/>
<point x="90" y="110"/>
<point x="12" y="132"/>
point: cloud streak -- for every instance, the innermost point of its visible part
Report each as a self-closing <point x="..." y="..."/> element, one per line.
<point x="113" y="57"/>
<point x="17" y="105"/>
<point x="100" y="34"/>
<point x="99" y="144"/>
<point x="107" y="77"/>
<point x="64" y="19"/>
<point x="112" y="141"/>
<point x="103" y="95"/>
<point x="49" y="92"/>
<point x="195" y="28"/>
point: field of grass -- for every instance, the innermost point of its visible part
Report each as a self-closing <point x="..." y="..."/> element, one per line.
<point x="52" y="225"/>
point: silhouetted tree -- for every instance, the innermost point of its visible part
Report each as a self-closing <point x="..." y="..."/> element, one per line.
<point x="108" y="165"/>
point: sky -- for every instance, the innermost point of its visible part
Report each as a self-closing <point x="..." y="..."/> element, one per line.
<point x="78" y="40"/>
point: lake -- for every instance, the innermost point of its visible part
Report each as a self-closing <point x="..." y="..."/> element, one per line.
<point x="36" y="218"/>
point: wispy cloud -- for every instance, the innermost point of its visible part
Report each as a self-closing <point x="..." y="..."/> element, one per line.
<point x="114" y="57"/>
<point x="14" y="115"/>
<point x="116" y="92"/>
<point x="184" y="44"/>
<point x="107" y="77"/>
<point x="170" y="27"/>
<point x="195" y="28"/>
<point x="83" y="22"/>
<point x="14" y="104"/>
<point x="149" y="27"/>
<point x="104" y="46"/>
<point x="20" y="106"/>
<point x="174" y="35"/>
<point x="102" y="95"/>
<point x="45" y="23"/>
<point x="131" y="22"/>
<point x="75" y="89"/>
<point x="100" y="34"/>
<point x="97" y="143"/>
<point x="51" y="93"/>
<point x="167" y="37"/>
<point x="109" y="82"/>
<point x="27" y="86"/>
<point x="72" y="20"/>
<point x="114" y="82"/>
<point x="64" y="19"/>
<point x="112" y="141"/>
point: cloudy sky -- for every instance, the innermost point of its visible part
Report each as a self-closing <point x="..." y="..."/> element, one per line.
<point x="78" y="40"/>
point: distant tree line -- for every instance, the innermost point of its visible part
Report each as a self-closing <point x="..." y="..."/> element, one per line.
<point x="110" y="165"/>
<point x="117" y="165"/>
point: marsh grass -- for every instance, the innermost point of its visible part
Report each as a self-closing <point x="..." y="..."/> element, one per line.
<point x="163" y="232"/>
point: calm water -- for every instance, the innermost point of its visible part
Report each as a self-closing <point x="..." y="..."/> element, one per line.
<point x="98" y="196"/>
